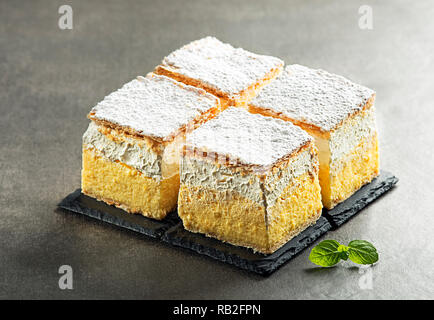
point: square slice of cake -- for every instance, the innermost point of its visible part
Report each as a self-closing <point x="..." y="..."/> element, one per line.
<point x="132" y="145"/>
<point x="233" y="74"/>
<point x="339" y="114"/>
<point x="249" y="180"/>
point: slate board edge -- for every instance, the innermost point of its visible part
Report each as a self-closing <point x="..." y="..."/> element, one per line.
<point x="320" y="231"/>
<point x="332" y="222"/>
<point x="336" y="220"/>
<point x="261" y="266"/>
<point x="69" y="203"/>
<point x="213" y="253"/>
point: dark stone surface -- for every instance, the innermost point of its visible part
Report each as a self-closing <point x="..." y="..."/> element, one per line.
<point x="50" y="78"/>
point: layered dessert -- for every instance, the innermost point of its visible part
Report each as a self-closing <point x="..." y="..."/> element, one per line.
<point x="339" y="114"/>
<point x="249" y="180"/>
<point x="132" y="145"/>
<point x="232" y="74"/>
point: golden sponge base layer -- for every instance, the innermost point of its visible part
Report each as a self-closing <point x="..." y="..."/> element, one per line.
<point x="357" y="169"/>
<point x="127" y="188"/>
<point x="230" y="217"/>
<point x="298" y="207"/>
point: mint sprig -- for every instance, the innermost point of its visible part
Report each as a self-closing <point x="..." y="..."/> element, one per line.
<point x="362" y="252"/>
<point x="329" y="252"/>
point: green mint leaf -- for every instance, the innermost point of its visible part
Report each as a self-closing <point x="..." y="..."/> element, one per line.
<point x="326" y="253"/>
<point x="362" y="252"/>
<point x="343" y="252"/>
<point x="344" y="255"/>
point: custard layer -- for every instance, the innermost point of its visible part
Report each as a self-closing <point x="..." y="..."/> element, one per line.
<point x="125" y="187"/>
<point x="356" y="169"/>
<point x="230" y="217"/>
<point x="298" y="207"/>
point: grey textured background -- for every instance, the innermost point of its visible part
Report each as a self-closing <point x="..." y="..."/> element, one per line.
<point x="50" y="78"/>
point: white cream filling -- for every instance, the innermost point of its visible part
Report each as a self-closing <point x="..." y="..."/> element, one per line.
<point x="346" y="138"/>
<point x="200" y="173"/>
<point x="277" y="182"/>
<point x="129" y="152"/>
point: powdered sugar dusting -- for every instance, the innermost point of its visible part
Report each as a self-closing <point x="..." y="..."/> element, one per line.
<point x="154" y="106"/>
<point x="220" y="65"/>
<point x="250" y="138"/>
<point x="313" y="96"/>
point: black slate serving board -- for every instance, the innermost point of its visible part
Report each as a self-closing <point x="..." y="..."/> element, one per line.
<point x="242" y="257"/>
<point x="364" y="196"/>
<point x="80" y="203"/>
<point x="170" y="230"/>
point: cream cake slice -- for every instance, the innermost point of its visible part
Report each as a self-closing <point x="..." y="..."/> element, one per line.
<point x="232" y="74"/>
<point x="339" y="114"/>
<point x="249" y="180"/>
<point x="132" y="145"/>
